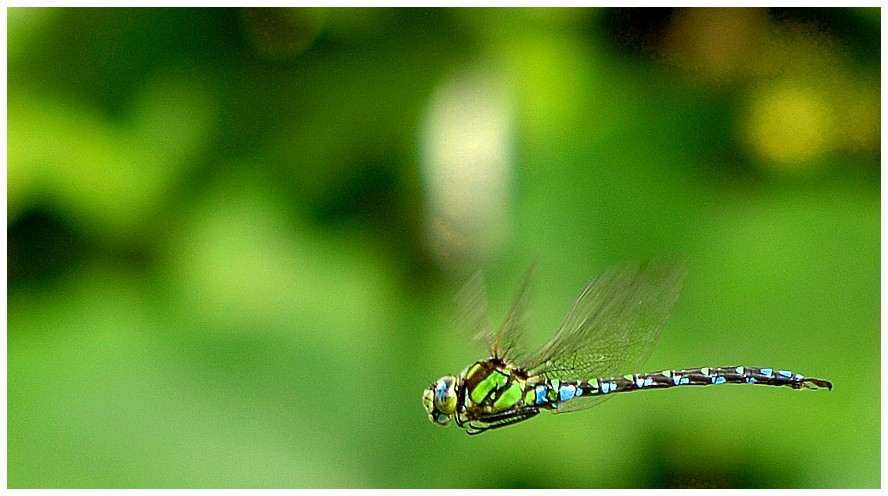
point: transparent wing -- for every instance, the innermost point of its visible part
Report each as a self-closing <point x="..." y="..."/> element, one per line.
<point x="504" y="342"/>
<point x="507" y="343"/>
<point x="472" y="308"/>
<point x="612" y="327"/>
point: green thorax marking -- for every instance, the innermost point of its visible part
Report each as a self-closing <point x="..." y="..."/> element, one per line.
<point x="509" y="397"/>
<point x="552" y="393"/>
<point x="494" y="385"/>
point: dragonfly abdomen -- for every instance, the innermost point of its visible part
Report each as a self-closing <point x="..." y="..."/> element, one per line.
<point x="555" y="391"/>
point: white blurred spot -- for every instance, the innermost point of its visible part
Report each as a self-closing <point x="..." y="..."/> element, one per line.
<point x="465" y="144"/>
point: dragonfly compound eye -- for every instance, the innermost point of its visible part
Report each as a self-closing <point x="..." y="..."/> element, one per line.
<point x="439" y="400"/>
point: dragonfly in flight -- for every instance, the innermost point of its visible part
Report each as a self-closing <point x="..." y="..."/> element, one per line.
<point x="608" y="334"/>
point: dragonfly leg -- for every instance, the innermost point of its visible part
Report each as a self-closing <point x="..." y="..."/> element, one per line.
<point x="500" y="419"/>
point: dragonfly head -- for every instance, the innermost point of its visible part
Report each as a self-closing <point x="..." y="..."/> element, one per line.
<point x="439" y="400"/>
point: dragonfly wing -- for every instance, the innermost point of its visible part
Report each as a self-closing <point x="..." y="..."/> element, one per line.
<point x="612" y="327"/>
<point x="503" y="342"/>
<point x="582" y="403"/>
<point x="472" y="308"/>
<point x="508" y="341"/>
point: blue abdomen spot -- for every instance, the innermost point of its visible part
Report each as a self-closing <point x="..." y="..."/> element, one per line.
<point x="718" y="380"/>
<point x="566" y="392"/>
<point x="785" y="373"/>
<point x="540" y="391"/>
<point x="767" y="372"/>
<point x="751" y="380"/>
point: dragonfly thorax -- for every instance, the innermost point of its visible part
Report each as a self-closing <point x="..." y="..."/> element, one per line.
<point x="440" y="400"/>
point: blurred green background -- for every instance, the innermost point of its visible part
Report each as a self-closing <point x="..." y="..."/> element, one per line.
<point x="234" y="236"/>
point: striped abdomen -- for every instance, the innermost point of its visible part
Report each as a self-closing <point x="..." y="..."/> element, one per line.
<point x="555" y="391"/>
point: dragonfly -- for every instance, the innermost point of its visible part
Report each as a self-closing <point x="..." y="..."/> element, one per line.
<point x="608" y="334"/>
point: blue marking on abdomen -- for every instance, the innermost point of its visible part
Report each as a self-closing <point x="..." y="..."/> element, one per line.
<point x="767" y="372"/>
<point x="566" y="392"/>
<point x="642" y="382"/>
<point x="785" y="373"/>
<point x="718" y="380"/>
<point x="540" y="391"/>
